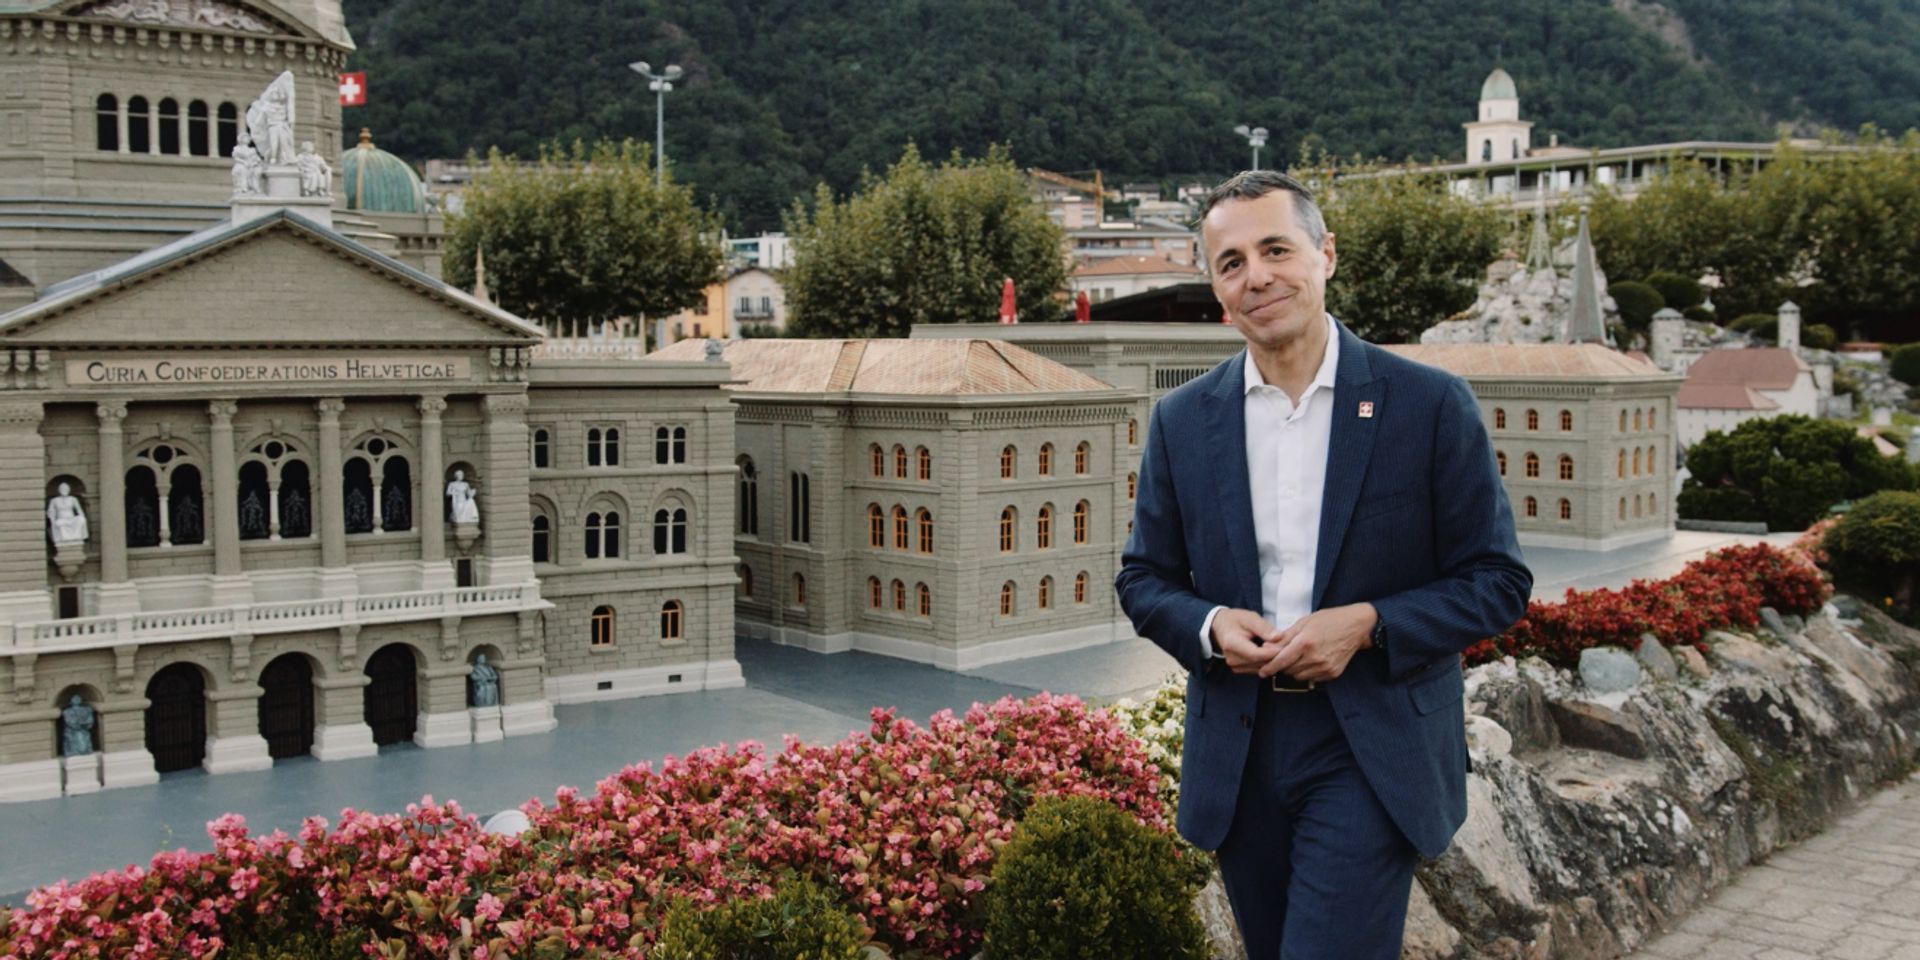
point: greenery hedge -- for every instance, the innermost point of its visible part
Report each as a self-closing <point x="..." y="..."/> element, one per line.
<point x="1905" y="366"/>
<point x="1787" y="471"/>
<point x="1679" y="291"/>
<point x="1637" y="303"/>
<point x="801" y="921"/>
<point x="1874" y="550"/>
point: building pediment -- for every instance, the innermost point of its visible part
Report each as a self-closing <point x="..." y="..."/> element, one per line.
<point x="279" y="281"/>
<point x="320" y="19"/>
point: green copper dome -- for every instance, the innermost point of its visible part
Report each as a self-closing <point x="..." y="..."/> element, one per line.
<point x="1499" y="86"/>
<point x="376" y="180"/>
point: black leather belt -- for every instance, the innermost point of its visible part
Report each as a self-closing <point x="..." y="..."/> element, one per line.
<point x="1281" y="683"/>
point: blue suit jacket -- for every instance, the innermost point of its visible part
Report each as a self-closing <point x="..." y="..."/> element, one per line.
<point x="1413" y="519"/>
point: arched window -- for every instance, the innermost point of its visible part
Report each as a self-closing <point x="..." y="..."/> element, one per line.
<point x="143" y="507"/>
<point x="799" y="589"/>
<point x="876" y="526"/>
<point x="164" y="498"/>
<point x="377" y="492"/>
<point x="1082" y="511"/>
<point x="924" y="520"/>
<point x="542" y="539"/>
<point x="1080" y="454"/>
<point x="227" y="129"/>
<point x="1623" y="508"/>
<point x="1500" y="460"/>
<point x="593" y="446"/>
<point x="1636" y="506"/>
<point x="1653" y="413"/>
<point x="901" y="531"/>
<point x="1566" y="420"/>
<point x="1046" y="593"/>
<point x="1006" y="530"/>
<point x="1499" y="418"/>
<point x="106" y="123"/>
<point x="1486" y="151"/>
<point x="1133" y="485"/>
<point x="1650" y="459"/>
<point x="1008" y="461"/>
<point x="1566" y="509"/>
<point x="1046" y="459"/>
<point x="169" y="115"/>
<point x="1621" y="466"/>
<point x="749" y="506"/>
<point x="1006" y="599"/>
<point x="799" y="508"/>
<point x="1043" y="528"/>
<point x="745" y="573"/>
<point x="603" y="535"/>
<point x="602" y="635"/>
<point x="670" y="531"/>
<point x="679" y="444"/>
<point x="610" y="447"/>
<point x="873" y="593"/>
<point x="1533" y="419"/>
<point x="139" y="134"/>
<point x="1532" y="465"/>
<point x="1651" y="512"/>
<point x="900" y="596"/>
<point x="542" y="449"/>
<point x="924" y="458"/>
<point x="877" y="460"/>
<point x="1637" y="422"/>
<point x="1533" y="507"/>
<point x="396" y="495"/>
<point x="924" y="597"/>
<point x="1566" y="467"/>
<point x="1080" y="587"/>
<point x="275" y="495"/>
<point x="899" y="462"/>
<point x="1636" y="461"/>
<point x="1623" y="421"/>
<point x="199" y="143"/>
<point x="1133" y="432"/>
<point x="671" y="615"/>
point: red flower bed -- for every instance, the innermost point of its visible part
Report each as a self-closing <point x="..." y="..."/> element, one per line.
<point x="904" y="821"/>
<point x="1725" y="588"/>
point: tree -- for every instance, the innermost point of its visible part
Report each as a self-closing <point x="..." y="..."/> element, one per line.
<point x="582" y="236"/>
<point x="1787" y="471"/>
<point x="1875" y="547"/>
<point x="1677" y="290"/>
<point x="1638" y="302"/>
<point x="922" y="244"/>
<point x="1904" y="364"/>
<point x="1411" y="253"/>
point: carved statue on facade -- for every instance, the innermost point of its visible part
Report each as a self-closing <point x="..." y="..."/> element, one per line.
<point x="247" y="169"/>
<point x="76" y="728"/>
<point x="270" y="121"/>
<point x="65" y="518"/>
<point x="461" y="505"/>
<point x="316" y="175"/>
<point x="484" y="682"/>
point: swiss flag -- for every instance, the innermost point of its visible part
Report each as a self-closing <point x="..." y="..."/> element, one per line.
<point x="353" y="89"/>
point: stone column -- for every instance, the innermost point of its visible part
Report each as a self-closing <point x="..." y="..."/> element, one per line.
<point x="444" y="721"/>
<point x="121" y="733"/>
<point x="503" y="501"/>
<point x="229" y="582"/>
<point x="23" y="514"/>
<point x="336" y="578"/>
<point x="234" y="742"/>
<point x="116" y="592"/>
<point x="340" y="724"/>
<point x="430" y="505"/>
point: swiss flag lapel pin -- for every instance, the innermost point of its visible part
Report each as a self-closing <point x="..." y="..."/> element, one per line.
<point x="1366" y="409"/>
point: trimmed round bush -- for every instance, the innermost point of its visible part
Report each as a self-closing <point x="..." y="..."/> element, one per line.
<point x="1905" y="366"/>
<point x="1637" y="302"/>
<point x="801" y="921"/>
<point x="1084" y="880"/>
<point x="1679" y="291"/>
<point x="1819" y="336"/>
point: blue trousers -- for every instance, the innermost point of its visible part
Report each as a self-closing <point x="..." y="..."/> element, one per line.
<point x="1313" y="866"/>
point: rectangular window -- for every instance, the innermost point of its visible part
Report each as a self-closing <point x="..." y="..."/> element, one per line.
<point x="69" y="602"/>
<point x="463" y="572"/>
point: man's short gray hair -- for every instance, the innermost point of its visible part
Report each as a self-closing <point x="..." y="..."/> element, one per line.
<point x="1254" y="184"/>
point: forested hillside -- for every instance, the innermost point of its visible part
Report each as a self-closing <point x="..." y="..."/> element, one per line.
<point x="781" y="94"/>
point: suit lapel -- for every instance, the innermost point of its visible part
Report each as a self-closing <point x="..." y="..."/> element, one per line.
<point x="1227" y="453"/>
<point x="1349" y="451"/>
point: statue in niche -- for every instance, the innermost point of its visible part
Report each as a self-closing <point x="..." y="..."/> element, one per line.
<point x="270" y="121"/>
<point x="65" y="518"/>
<point x="76" y="728"/>
<point x="316" y="175"/>
<point x="247" y="169"/>
<point x="460" y="503"/>
<point x="484" y="684"/>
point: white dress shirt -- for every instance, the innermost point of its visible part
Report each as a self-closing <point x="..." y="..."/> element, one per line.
<point x="1286" y="474"/>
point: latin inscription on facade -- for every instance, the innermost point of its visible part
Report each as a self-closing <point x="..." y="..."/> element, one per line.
<point x="368" y="369"/>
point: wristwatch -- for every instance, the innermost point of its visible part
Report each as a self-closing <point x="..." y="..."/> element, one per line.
<point x="1379" y="635"/>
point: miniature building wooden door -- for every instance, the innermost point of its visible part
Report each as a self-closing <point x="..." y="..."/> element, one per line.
<point x="391" y="704"/>
<point x="177" y="718"/>
<point x="286" y="707"/>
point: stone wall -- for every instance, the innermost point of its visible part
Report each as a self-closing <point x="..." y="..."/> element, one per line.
<point x="1595" y="820"/>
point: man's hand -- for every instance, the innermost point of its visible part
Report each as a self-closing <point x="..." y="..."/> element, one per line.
<point x="1318" y="645"/>
<point x="1244" y="639"/>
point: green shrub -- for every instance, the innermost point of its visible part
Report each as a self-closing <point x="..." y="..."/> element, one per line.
<point x="802" y="921"/>
<point x="1700" y="315"/>
<point x="1819" y="336"/>
<point x="1083" y="880"/>
<point x="1680" y="292"/>
<point x="1637" y="303"/>
<point x="1766" y="326"/>
<point x="1790" y="469"/>
<point x="291" y="943"/>
<point x="1906" y="364"/>
<point x="1874" y="549"/>
<point x="1719" y="503"/>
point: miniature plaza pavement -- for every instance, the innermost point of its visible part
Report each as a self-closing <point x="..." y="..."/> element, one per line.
<point x="818" y="698"/>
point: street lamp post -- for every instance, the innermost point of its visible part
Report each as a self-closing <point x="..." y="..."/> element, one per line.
<point x="660" y="84"/>
<point x="1256" y="138"/>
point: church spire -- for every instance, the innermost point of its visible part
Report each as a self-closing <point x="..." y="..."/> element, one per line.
<point x="1586" y="325"/>
<point x="480" y="276"/>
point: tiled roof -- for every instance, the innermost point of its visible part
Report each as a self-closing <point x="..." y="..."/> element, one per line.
<point x="889" y="366"/>
<point x="1541" y="360"/>
<point x="1122" y="266"/>
<point x="1767" y="368"/>
<point x="1722" y="396"/>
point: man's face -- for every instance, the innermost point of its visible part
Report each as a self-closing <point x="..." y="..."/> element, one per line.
<point x="1270" y="278"/>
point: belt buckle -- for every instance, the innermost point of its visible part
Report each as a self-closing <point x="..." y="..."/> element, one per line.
<point x="1281" y="683"/>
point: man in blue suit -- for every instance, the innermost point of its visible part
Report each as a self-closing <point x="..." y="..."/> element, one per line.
<point x="1320" y="531"/>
